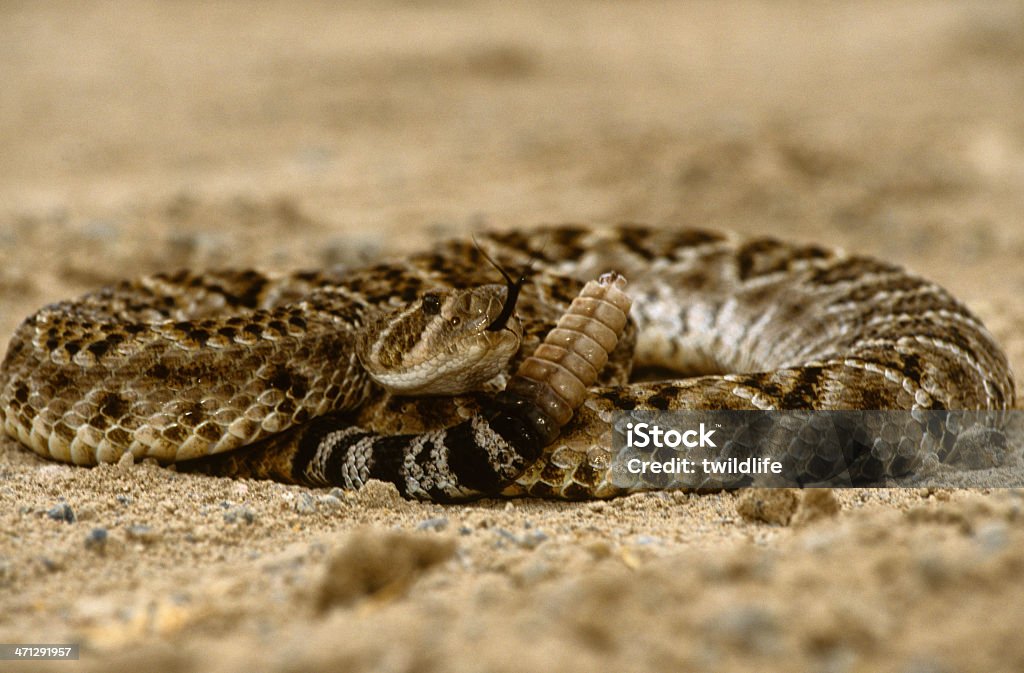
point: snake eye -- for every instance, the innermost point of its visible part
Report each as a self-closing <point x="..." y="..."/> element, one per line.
<point x="455" y="321"/>
<point x="431" y="304"/>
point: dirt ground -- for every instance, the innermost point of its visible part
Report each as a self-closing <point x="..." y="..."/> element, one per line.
<point x="145" y="136"/>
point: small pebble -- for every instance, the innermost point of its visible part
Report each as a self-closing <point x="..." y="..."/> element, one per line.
<point x="768" y="505"/>
<point x="140" y="532"/>
<point x="530" y="540"/>
<point x="96" y="539"/>
<point x="240" y="513"/>
<point x="380" y="495"/>
<point x="816" y="504"/>
<point x="504" y="535"/>
<point x="62" y="512"/>
<point x="436" y="524"/>
<point x="992" y="537"/>
<point x="305" y="504"/>
<point x="533" y="539"/>
<point x="329" y="501"/>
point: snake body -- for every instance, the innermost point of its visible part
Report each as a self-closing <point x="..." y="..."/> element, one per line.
<point x="318" y="377"/>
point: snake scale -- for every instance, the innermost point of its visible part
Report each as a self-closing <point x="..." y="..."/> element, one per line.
<point x="417" y="371"/>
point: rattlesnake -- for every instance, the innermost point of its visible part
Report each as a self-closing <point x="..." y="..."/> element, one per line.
<point x="291" y="376"/>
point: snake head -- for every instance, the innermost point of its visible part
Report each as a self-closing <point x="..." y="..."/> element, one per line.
<point x="445" y="342"/>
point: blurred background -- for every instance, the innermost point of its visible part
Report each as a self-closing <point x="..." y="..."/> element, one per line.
<point x="142" y="136"/>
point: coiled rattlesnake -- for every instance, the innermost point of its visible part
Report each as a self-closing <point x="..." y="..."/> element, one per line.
<point x="303" y="369"/>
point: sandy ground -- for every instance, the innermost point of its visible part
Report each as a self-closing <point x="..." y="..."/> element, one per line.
<point x="144" y="136"/>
